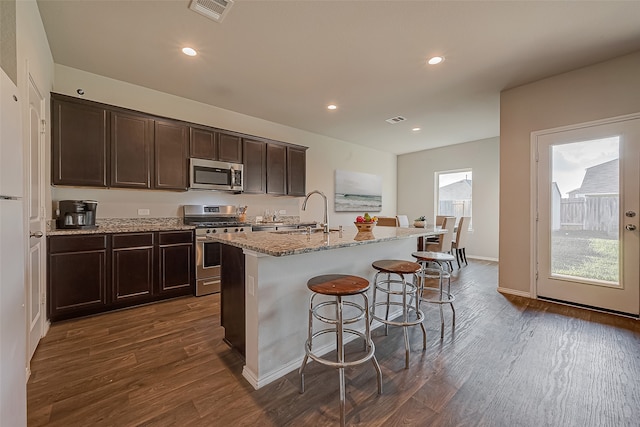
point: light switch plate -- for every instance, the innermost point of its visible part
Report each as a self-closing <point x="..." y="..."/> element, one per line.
<point x="143" y="211"/>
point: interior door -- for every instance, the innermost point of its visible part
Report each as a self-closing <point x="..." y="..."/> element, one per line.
<point x="35" y="208"/>
<point x="588" y="189"/>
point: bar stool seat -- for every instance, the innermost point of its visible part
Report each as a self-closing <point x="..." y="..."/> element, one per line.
<point x="441" y="273"/>
<point x="339" y="286"/>
<point x="395" y="284"/>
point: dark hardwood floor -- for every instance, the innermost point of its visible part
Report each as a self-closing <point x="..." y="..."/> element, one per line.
<point x="511" y="362"/>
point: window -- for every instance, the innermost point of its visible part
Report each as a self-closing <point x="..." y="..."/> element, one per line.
<point x="453" y="193"/>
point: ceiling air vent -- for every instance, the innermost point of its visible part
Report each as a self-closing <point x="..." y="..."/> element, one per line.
<point x="212" y="9"/>
<point x="396" y="119"/>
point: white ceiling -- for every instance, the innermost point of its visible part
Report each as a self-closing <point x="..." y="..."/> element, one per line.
<point x="284" y="61"/>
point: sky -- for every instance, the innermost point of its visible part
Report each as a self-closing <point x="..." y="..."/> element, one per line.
<point x="571" y="160"/>
<point x="446" y="178"/>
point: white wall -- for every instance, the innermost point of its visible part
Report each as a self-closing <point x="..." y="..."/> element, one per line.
<point x="603" y="90"/>
<point x="324" y="155"/>
<point x="416" y="188"/>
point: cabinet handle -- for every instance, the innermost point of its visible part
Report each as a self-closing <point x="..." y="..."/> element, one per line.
<point x="37" y="234"/>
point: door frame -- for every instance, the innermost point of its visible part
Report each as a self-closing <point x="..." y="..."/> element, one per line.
<point x="31" y="81"/>
<point x="533" y="223"/>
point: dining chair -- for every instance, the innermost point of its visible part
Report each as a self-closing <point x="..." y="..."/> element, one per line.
<point x="387" y="221"/>
<point x="403" y="221"/>
<point x="460" y="242"/>
<point x="444" y="240"/>
<point x="440" y="220"/>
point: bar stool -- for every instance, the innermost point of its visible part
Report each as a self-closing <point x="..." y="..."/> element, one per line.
<point x="339" y="286"/>
<point x="441" y="273"/>
<point x="396" y="284"/>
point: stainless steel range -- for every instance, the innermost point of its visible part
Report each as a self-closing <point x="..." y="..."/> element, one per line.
<point x="209" y="220"/>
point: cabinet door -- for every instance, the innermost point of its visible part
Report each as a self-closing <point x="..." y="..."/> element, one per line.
<point x="229" y="148"/>
<point x="131" y="150"/>
<point x="76" y="276"/>
<point x="276" y="173"/>
<point x="203" y="143"/>
<point x="296" y="171"/>
<point x="175" y="262"/>
<point x="132" y="267"/>
<point x="255" y="166"/>
<point x="171" y="148"/>
<point x="79" y="144"/>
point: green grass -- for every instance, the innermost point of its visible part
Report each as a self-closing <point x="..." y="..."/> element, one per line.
<point x="585" y="254"/>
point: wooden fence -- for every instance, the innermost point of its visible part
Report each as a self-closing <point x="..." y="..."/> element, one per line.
<point x="457" y="208"/>
<point x="595" y="213"/>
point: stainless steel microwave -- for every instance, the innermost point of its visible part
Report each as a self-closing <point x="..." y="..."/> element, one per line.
<point x="214" y="175"/>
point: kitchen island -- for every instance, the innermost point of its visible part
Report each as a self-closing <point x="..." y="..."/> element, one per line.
<point x="277" y="266"/>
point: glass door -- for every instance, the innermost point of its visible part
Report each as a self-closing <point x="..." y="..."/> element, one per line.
<point x="587" y="230"/>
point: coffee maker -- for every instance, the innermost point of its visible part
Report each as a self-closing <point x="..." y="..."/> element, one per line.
<point x="77" y="214"/>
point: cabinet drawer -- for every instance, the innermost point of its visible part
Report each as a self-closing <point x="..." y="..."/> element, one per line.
<point x="175" y="237"/>
<point x="60" y="244"/>
<point x="134" y="240"/>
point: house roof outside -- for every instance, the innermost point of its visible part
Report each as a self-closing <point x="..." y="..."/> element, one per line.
<point x="460" y="190"/>
<point x="600" y="179"/>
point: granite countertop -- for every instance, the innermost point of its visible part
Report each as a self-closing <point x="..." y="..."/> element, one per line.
<point x="123" y="225"/>
<point x="284" y="243"/>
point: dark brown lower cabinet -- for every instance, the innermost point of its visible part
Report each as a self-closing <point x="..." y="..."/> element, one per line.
<point x="77" y="276"/>
<point x="175" y="252"/>
<point x="232" y="300"/>
<point x="132" y="267"/>
<point x="89" y="274"/>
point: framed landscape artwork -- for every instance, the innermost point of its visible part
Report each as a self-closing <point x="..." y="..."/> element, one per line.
<point x="358" y="192"/>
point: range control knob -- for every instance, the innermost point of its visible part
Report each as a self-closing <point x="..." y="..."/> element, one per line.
<point x="226" y="230"/>
<point x="212" y="231"/>
<point x="237" y="229"/>
<point x="208" y="231"/>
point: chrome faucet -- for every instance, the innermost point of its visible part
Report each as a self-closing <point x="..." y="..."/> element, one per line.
<point x="325" y="220"/>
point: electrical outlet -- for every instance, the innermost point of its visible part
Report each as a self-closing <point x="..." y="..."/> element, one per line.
<point x="143" y="211"/>
<point x="282" y="212"/>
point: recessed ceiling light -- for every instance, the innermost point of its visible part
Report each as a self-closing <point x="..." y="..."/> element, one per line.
<point x="415" y="129"/>
<point x="435" y="60"/>
<point x="189" y="51"/>
<point x="332" y="107"/>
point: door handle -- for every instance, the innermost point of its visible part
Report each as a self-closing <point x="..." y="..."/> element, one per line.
<point x="37" y="234"/>
<point x="630" y="227"/>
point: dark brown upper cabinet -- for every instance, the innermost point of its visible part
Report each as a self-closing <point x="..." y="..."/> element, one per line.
<point x="171" y="151"/>
<point x="131" y="150"/>
<point x="229" y="147"/>
<point x="203" y="143"/>
<point x="276" y="169"/>
<point x="255" y="166"/>
<point x="296" y="171"/>
<point x="80" y="143"/>
<point x="100" y="145"/>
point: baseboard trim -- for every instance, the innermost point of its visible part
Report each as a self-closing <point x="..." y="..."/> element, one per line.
<point x="514" y="292"/>
<point x="482" y="258"/>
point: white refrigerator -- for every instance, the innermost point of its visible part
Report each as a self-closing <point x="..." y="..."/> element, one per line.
<point x="13" y="328"/>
